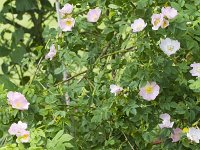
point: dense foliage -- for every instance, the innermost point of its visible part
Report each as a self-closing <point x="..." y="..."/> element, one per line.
<point x="72" y="103"/>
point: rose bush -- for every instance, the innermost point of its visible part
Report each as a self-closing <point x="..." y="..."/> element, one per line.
<point x="112" y="75"/>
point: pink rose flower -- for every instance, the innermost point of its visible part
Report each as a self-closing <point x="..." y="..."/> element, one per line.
<point x="67" y="9"/>
<point x="165" y="23"/>
<point x="115" y="89"/>
<point x="166" y="121"/>
<point x="24" y="136"/>
<point x="51" y="53"/>
<point x="194" y="134"/>
<point x="17" y="100"/>
<point x="176" y="135"/>
<point x="138" y="25"/>
<point x="169" y="46"/>
<point x="150" y="91"/>
<point x="67" y="24"/>
<point x="17" y="128"/>
<point x="169" y="12"/>
<point x="195" y="69"/>
<point x="157" y="21"/>
<point x="93" y="15"/>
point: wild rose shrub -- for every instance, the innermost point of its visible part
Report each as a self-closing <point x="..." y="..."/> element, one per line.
<point x="130" y="72"/>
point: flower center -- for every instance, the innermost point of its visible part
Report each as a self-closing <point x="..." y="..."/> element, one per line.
<point x="95" y="16"/>
<point x="170" y="47"/>
<point x="164" y="24"/>
<point x="25" y="136"/>
<point x="139" y="27"/>
<point x="149" y="89"/>
<point x="68" y="23"/>
<point x="156" y="22"/>
<point x="18" y="104"/>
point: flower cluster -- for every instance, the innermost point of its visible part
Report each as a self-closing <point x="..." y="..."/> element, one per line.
<point x="148" y="92"/>
<point x="193" y="134"/>
<point x="18" y="101"/>
<point x="161" y="20"/>
<point x="19" y="129"/>
<point x="67" y="22"/>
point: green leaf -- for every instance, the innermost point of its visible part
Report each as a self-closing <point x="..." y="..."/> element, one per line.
<point x="18" y="35"/>
<point x="176" y="6"/>
<point x="65" y="138"/>
<point x="17" y="55"/>
<point x="195" y="85"/>
<point x="4" y="51"/>
<point x="58" y="135"/>
<point x="24" y="5"/>
<point x="7" y="83"/>
<point x="113" y="6"/>
<point x="68" y="145"/>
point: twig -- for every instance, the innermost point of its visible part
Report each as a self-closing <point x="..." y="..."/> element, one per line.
<point x="68" y="79"/>
<point x="117" y="52"/>
<point x="127" y="140"/>
<point x="38" y="65"/>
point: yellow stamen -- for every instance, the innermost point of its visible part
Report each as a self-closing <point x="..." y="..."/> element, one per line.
<point x="18" y="104"/>
<point x="185" y="130"/>
<point x="170" y="47"/>
<point x="69" y="23"/>
<point x="156" y="22"/>
<point x="25" y="136"/>
<point x="95" y="16"/>
<point x="164" y="24"/>
<point x="149" y="89"/>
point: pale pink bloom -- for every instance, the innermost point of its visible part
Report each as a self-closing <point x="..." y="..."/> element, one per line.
<point x="24" y="136"/>
<point x="166" y="121"/>
<point x="67" y="24"/>
<point x="195" y="69"/>
<point x="115" y="89"/>
<point x="150" y="91"/>
<point x="67" y="9"/>
<point x="51" y="53"/>
<point x="176" y="135"/>
<point x="17" y="128"/>
<point x="138" y="25"/>
<point x="17" y="100"/>
<point x="169" y="12"/>
<point x="169" y="46"/>
<point x="93" y="15"/>
<point x="194" y="134"/>
<point x="165" y="23"/>
<point x="157" y="21"/>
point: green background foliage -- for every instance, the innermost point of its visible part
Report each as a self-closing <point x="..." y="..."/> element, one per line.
<point x="96" y="55"/>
